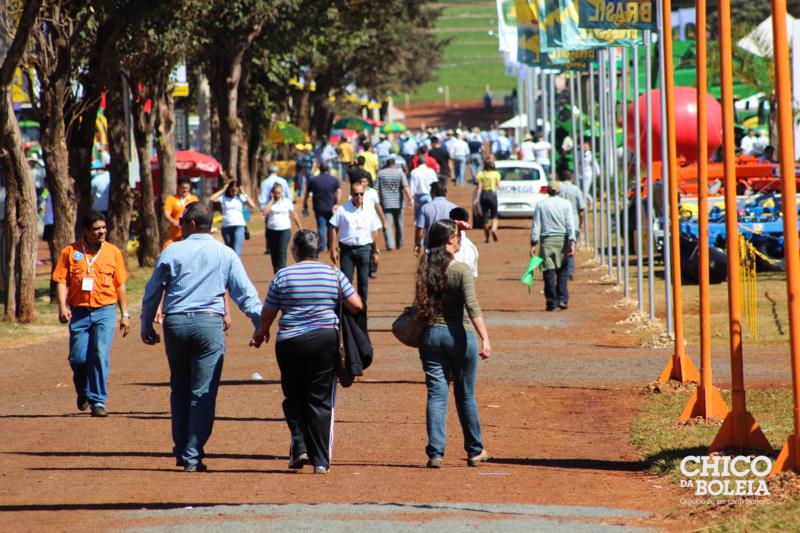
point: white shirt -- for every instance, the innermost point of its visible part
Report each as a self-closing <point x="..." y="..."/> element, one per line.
<point x="421" y="179"/>
<point x="458" y="148"/>
<point x="589" y="167"/>
<point x="355" y="225"/>
<point x="748" y="145"/>
<point x="542" y="151"/>
<point x="468" y="254"/>
<point x="527" y="149"/>
<point x="279" y="218"/>
<point x="233" y="210"/>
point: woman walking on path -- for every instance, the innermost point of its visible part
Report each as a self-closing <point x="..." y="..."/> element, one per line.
<point x="485" y="198"/>
<point x="233" y="200"/>
<point x="446" y="301"/>
<point x="307" y="294"/>
<point x="280" y="214"/>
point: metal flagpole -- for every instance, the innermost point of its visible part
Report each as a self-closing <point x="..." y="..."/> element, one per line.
<point x="593" y="185"/>
<point x="553" y="118"/>
<point x="543" y="99"/>
<point x="573" y="134"/>
<point x="625" y="223"/>
<point x="665" y="170"/>
<point x="581" y="161"/>
<point x="612" y="131"/>
<point x="520" y="104"/>
<point x="601" y="138"/>
<point x="637" y="176"/>
<point x="531" y="99"/>
<point x="609" y="165"/>
<point x="648" y="128"/>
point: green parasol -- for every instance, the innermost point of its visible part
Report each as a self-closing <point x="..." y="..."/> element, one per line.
<point x="286" y="133"/>
<point x="527" y="277"/>
<point x="393" y="127"/>
<point x="352" y="123"/>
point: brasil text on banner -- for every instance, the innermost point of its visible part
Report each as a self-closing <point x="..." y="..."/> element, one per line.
<point x="617" y="14"/>
<point x="528" y="49"/>
<point x="558" y="29"/>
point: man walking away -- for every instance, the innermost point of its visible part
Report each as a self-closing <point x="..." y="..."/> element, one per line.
<point x="443" y="158"/>
<point x="571" y="193"/>
<point x="589" y="170"/>
<point x="421" y="180"/>
<point x="475" y="144"/>
<point x="353" y="229"/>
<point x="542" y="150"/>
<point x="391" y="185"/>
<point x="436" y="209"/>
<point x="90" y="281"/>
<point x="324" y="190"/>
<point x="553" y="233"/>
<point x="458" y="149"/>
<point x="526" y="149"/>
<point x="192" y="276"/>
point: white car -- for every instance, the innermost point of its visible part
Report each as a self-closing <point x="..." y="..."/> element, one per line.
<point x="522" y="185"/>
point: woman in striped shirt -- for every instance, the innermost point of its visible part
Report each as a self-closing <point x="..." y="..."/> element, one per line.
<point x="307" y="294"/>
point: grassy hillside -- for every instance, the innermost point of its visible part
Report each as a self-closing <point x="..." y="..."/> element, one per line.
<point x="472" y="59"/>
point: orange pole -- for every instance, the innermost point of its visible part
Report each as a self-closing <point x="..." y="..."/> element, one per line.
<point x="739" y="429"/>
<point x="706" y="400"/>
<point x="679" y="367"/>
<point x="788" y="458"/>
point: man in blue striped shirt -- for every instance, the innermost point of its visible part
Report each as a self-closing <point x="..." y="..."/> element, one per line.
<point x="193" y="275"/>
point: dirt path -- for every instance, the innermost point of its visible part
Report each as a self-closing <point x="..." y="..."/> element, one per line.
<point x="556" y="400"/>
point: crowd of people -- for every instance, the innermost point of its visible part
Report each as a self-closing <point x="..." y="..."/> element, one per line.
<point x="358" y="194"/>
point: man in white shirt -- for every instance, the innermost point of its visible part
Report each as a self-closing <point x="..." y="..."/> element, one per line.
<point x="589" y="170"/>
<point x="458" y="149"/>
<point x="420" y="182"/>
<point x="264" y="194"/>
<point x="468" y="252"/>
<point x="354" y="228"/>
<point x="748" y="143"/>
<point x="541" y="149"/>
<point x="526" y="148"/>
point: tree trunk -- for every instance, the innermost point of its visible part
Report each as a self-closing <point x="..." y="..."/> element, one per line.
<point x="120" y="202"/>
<point x="244" y="165"/>
<point x="204" y="113"/>
<point x="774" y="138"/>
<point x="165" y="150"/>
<point x="60" y="184"/>
<point x="21" y="220"/>
<point x="143" y="125"/>
<point x="302" y="115"/>
<point x="225" y="85"/>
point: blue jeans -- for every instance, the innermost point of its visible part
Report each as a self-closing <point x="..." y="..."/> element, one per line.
<point x="358" y="258"/>
<point x="90" y="333"/>
<point x="460" y="168"/>
<point x="195" y="345"/>
<point x="323" y="229"/>
<point x="475" y="165"/>
<point x="394" y="228"/>
<point x="419" y="201"/>
<point x="234" y="238"/>
<point x="450" y="351"/>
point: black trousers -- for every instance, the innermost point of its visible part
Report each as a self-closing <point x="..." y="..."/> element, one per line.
<point x="278" y="241"/>
<point x="308" y="380"/>
<point x="356" y="258"/>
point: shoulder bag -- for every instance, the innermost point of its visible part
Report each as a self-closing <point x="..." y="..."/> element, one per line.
<point x="408" y="327"/>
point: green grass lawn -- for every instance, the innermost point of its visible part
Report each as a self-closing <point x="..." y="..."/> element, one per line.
<point x="663" y="443"/>
<point x="471" y="60"/>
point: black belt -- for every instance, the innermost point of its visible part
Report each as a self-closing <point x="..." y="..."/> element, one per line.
<point x="344" y="246"/>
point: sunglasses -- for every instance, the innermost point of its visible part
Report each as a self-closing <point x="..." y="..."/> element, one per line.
<point x="358" y="194"/>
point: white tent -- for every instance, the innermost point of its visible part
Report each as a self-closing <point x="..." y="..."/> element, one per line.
<point x="759" y="41"/>
<point x="519" y="121"/>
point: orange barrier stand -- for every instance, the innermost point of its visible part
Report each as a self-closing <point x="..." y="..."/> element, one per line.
<point x="739" y="430"/>
<point x="679" y="367"/>
<point x="788" y="458"/>
<point x="706" y="401"/>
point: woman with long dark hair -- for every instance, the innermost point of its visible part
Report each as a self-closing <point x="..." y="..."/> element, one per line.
<point x="445" y="300"/>
<point x="485" y="199"/>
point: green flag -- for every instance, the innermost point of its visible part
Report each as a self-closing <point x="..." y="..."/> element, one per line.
<point x="527" y="277"/>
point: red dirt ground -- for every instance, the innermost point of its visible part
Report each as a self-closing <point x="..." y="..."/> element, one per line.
<point x="553" y="417"/>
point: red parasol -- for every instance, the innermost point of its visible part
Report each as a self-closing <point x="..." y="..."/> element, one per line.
<point x="191" y="164"/>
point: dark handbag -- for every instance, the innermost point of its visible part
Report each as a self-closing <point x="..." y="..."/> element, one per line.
<point x="246" y="234"/>
<point x="408" y="327"/>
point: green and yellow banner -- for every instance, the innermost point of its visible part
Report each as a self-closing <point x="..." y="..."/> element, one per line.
<point x="617" y="14"/>
<point x="559" y="29"/>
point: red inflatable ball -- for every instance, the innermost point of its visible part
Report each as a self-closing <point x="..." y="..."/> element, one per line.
<point x="685" y="123"/>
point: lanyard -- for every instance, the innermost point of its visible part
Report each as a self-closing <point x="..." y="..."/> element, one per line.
<point x="86" y="256"/>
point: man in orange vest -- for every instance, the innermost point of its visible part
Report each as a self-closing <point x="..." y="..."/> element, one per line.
<point x="90" y="277"/>
<point x="175" y="204"/>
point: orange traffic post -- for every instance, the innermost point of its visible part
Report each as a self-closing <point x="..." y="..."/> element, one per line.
<point x="739" y="430"/>
<point x="679" y="367"/>
<point x="788" y="458"/>
<point x="706" y="400"/>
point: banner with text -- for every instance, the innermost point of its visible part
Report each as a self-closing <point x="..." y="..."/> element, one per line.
<point x="617" y="14"/>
